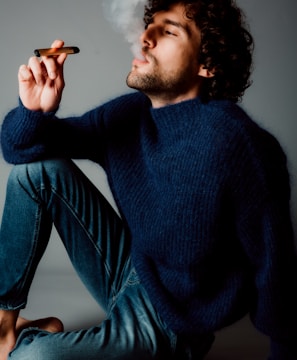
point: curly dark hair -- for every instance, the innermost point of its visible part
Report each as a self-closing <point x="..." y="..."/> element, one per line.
<point x="226" y="44"/>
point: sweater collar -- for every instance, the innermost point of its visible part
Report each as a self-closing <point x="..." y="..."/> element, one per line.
<point x="177" y="117"/>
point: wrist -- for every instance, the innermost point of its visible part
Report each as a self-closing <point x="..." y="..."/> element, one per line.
<point x="46" y="112"/>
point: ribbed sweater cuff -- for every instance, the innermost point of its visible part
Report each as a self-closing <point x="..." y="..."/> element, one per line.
<point x="24" y="109"/>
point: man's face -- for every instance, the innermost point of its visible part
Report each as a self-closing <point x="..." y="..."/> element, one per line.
<point x="170" y="67"/>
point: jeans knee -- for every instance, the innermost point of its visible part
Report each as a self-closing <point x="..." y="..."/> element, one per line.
<point x="37" y="168"/>
<point x="36" y="176"/>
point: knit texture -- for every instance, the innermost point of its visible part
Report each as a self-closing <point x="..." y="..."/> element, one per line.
<point x="205" y="193"/>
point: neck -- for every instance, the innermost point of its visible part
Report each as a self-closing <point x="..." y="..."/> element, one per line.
<point x="161" y="100"/>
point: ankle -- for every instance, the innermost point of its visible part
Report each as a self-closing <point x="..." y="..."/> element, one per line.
<point x="8" y="320"/>
<point x="7" y="344"/>
<point x="7" y="339"/>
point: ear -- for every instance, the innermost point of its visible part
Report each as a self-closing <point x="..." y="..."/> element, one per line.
<point x="202" y="71"/>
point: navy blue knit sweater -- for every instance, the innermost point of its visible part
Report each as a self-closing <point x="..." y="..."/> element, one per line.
<point x="205" y="194"/>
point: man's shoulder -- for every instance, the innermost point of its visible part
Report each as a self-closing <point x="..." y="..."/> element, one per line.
<point x="236" y="120"/>
<point x="231" y="124"/>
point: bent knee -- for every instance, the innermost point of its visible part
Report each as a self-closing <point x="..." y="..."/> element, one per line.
<point x="38" y="174"/>
<point x="37" y="167"/>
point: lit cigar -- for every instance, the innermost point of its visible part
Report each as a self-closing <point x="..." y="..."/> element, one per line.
<point x="56" y="51"/>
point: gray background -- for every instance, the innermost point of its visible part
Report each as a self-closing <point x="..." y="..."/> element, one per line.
<point x="98" y="73"/>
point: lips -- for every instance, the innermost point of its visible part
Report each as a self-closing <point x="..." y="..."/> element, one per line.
<point x="139" y="62"/>
<point x="140" y="59"/>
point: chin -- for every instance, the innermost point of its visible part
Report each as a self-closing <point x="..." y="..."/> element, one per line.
<point x="133" y="81"/>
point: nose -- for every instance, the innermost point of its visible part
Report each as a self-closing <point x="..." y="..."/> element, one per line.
<point x="148" y="38"/>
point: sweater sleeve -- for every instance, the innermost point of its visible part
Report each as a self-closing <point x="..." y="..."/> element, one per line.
<point x="18" y="135"/>
<point x="265" y="231"/>
<point x="28" y="136"/>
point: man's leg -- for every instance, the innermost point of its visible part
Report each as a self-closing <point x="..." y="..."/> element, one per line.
<point x="99" y="246"/>
<point x="132" y="330"/>
<point x="12" y="325"/>
<point x="56" y="191"/>
<point x="37" y="195"/>
<point x="19" y="255"/>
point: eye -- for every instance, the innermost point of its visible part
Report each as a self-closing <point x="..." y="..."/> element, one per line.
<point x="168" y="32"/>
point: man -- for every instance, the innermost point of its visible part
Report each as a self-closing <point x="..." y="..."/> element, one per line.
<point x="204" y="235"/>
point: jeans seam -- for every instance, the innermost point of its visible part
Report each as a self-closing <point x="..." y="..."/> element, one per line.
<point x="117" y="294"/>
<point x="72" y="209"/>
<point x="28" y="265"/>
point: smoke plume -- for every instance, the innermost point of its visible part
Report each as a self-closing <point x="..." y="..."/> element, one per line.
<point x="127" y="17"/>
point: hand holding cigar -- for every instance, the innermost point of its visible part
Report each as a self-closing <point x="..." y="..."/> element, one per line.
<point x="41" y="83"/>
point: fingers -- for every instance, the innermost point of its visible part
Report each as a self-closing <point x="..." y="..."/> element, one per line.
<point x="50" y="66"/>
<point x="41" y="82"/>
<point x="57" y="43"/>
<point x="38" y="72"/>
<point x="24" y="73"/>
<point x="54" y="65"/>
<point x="62" y="57"/>
<point x="34" y="72"/>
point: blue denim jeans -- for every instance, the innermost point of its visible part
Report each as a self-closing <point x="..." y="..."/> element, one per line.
<point x="56" y="192"/>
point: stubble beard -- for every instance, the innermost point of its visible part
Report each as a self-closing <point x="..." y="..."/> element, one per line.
<point x="153" y="82"/>
<point x="147" y="83"/>
<point x="165" y="84"/>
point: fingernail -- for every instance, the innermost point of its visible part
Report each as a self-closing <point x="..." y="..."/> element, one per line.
<point x="52" y="75"/>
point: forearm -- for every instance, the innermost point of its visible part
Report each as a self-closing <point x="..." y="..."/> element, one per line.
<point x="20" y="134"/>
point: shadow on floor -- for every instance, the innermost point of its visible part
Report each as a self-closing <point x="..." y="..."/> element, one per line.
<point x="240" y="341"/>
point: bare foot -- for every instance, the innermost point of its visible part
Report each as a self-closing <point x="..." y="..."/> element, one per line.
<point x="51" y="324"/>
<point x="8" y="334"/>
